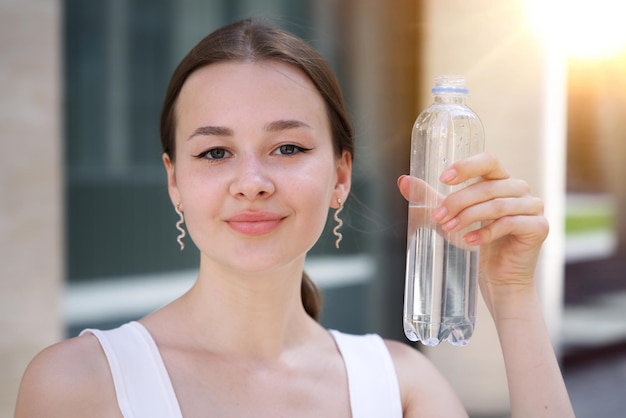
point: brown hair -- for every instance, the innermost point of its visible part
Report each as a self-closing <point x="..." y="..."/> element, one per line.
<point x="252" y="40"/>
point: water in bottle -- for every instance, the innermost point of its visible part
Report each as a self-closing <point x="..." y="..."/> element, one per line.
<point x="441" y="270"/>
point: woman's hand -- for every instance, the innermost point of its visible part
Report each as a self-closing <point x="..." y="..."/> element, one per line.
<point x="512" y="223"/>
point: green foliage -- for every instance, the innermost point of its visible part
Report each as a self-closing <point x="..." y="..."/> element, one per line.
<point x="588" y="222"/>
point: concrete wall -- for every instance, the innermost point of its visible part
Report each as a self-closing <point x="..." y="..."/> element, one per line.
<point x="31" y="248"/>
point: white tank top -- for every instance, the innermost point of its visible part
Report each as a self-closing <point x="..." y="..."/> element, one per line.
<point x="144" y="389"/>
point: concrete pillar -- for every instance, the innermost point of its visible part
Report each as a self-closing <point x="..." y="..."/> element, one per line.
<point x="518" y="89"/>
<point x="31" y="245"/>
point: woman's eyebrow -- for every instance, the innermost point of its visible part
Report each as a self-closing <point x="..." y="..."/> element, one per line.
<point x="212" y="131"/>
<point x="275" y="126"/>
<point x="281" y="125"/>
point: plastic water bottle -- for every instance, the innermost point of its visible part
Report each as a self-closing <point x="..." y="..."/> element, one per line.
<point x="441" y="269"/>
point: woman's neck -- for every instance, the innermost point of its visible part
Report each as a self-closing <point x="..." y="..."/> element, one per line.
<point x="249" y="314"/>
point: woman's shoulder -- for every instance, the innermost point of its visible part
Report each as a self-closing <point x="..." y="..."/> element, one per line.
<point x="424" y="390"/>
<point x="70" y="378"/>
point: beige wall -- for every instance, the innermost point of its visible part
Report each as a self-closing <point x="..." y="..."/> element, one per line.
<point x="31" y="249"/>
<point x="517" y="86"/>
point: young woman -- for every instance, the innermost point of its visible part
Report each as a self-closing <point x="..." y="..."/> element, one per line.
<point x="257" y="147"/>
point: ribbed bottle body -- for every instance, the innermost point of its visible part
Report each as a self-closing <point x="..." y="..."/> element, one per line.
<point x="441" y="269"/>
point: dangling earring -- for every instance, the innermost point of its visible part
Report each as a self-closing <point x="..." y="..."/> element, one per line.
<point x="337" y="219"/>
<point x="182" y="234"/>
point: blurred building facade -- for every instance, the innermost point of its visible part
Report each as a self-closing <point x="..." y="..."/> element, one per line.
<point x="85" y="211"/>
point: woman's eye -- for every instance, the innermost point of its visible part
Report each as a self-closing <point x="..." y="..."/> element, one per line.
<point x="214" y="154"/>
<point x="290" y="149"/>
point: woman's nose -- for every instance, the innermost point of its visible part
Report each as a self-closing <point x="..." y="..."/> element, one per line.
<point x="252" y="180"/>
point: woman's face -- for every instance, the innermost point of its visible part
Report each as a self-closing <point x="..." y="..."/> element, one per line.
<point x="255" y="171"/>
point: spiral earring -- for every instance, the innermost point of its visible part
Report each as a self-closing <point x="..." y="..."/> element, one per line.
<point x="182" y="234"/>
<point x="337" y="219"/>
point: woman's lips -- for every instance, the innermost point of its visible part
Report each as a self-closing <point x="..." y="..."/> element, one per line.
<point x="254" y="223"/>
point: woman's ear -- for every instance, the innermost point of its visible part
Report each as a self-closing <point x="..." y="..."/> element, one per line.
<point x="172" y="187"/>
<point x="344" y="179"/>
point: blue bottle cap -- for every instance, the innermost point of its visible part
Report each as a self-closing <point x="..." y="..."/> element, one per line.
<point x="454" y="84"/>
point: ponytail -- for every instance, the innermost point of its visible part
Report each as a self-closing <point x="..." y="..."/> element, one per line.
<point x="311" y="297"/>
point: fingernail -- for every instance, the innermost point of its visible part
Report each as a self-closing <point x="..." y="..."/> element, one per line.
<point x="448" y="175"/>
<point x="471" y="238"/>
<point x="450" y="225"/>
<point x="439" y="213"/>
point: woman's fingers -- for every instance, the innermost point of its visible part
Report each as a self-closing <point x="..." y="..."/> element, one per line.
<point x="531" y="229"/>
<point x="418" y="192"/>
<point x="492" y="199"/>
<point x="404" y="184"/>
<point x="484" y="165"/>
<point x="503" y="207"/>
<point x="495" y="200"/>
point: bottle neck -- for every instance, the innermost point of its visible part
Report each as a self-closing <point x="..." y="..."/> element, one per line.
<point x="450" y="98"/>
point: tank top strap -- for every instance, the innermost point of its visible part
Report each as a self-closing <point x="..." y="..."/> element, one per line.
<point x="142" y="384"/>
<point x="372" y="379"/>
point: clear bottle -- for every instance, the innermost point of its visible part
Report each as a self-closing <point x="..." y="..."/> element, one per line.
<point x="441" y="269"/>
